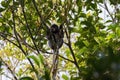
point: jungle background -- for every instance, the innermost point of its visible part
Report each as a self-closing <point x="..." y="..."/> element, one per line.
<point x="91" y="49"/>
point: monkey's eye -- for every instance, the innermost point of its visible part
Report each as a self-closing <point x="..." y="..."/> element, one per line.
<point x="53" y="29"/>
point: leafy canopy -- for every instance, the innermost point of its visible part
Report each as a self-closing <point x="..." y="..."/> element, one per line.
<point x="91" y="43"/>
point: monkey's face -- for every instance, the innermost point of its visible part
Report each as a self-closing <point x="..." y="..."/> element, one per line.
<point x="54" y="28"/>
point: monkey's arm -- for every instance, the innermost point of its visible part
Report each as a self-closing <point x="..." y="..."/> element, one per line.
<point x="51" y="39"/>
<point x="48" y="34"/>
<point x="61" y="33"/>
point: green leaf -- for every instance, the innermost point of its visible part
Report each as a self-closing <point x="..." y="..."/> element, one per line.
<point x="118" y="31"/>
<point x="35" y="59"/>
<point x="26" y="78"/>
<point x="108" y="21"/>
<point x="86" y="43"/>
<point x="93" y="5"/>
<point x="82" y="15"/>
<point x="79" y="43"/>
<point x="2" y="9"/>
<point x="41" y="59"/>
<point x="83" y="50"/>
<point x="97" y="40"/>
<point x="8" y="15"/>
<point x="65" y="77"/>
<point x="47" y="73"/>
<point x="5" y="3"/>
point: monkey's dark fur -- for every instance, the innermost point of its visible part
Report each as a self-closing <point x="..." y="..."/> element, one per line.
<point x="55" y="36"/>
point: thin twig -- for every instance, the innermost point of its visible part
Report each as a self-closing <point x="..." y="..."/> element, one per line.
<point x="66" y="59"/>
<point x="61" y="57"/>
<point x="9" y="69"/>
<point x="108" y="11"/>
<point x="8" y="40"/>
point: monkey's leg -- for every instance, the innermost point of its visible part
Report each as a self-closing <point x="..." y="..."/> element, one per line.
<point x="55" y="64"/>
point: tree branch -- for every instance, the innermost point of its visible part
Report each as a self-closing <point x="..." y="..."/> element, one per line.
<point x="40" y="16"/>
<point x="73" y="55"/>
<point x="27" y="25"/>
<point x="71" y="50"/>
<point x="20" y="46"/>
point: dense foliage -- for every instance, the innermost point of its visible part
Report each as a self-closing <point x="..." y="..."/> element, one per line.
<point x="91" y="49"/>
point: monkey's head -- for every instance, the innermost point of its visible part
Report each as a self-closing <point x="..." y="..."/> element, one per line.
<point x="54" y="28"/>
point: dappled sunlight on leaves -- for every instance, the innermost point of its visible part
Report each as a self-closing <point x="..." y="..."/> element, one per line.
<point x="91" y="49"/>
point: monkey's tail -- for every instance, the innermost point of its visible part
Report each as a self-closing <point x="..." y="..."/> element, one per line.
<point x="55" y="64"/>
